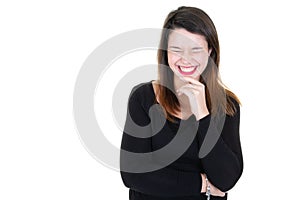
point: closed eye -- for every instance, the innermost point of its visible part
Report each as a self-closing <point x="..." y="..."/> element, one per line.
<point x="197" y="49"/>
<point x="174" y="49"/>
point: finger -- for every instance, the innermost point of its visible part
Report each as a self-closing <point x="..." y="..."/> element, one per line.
<point x="184" y="91"/>
<point x="179" y="93"/>
<point x="188" y="90"/>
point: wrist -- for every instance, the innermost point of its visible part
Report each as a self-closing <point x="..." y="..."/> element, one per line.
<point x="202" y="115"/>
<point x="203" y="188"/>
<point x="208" y="192"/>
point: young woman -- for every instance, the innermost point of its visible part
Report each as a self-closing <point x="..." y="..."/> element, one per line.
<point x="190" y="94"/>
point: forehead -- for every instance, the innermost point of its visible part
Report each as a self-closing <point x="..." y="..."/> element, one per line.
<point x="180" y="36"/>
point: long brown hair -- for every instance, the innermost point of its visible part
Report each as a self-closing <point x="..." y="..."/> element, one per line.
<point x="195" y="21"/>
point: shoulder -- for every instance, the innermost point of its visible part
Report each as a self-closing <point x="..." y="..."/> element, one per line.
<point x="233" y="103"/>
<point x="143" y="94"/>
<point x="141" y="90"/>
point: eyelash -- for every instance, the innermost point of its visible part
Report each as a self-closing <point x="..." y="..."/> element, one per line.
<point x="198" y="51"/>
<point x="176" y="51"/>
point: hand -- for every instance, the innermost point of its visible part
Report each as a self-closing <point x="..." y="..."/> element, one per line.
<point x="213" y="190"/>
<point x="195" y="91"/>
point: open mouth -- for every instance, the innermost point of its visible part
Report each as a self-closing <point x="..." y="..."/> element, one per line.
<point x="186" y="70"/>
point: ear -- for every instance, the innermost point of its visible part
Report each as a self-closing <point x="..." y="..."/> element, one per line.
<point x="209" y="51"/>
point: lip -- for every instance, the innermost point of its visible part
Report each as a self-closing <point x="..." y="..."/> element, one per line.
<point x="186" y="73"/>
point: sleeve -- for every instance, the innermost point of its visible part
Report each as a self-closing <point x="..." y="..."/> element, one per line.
<point x="163" y="182"/>
<point x="223" y="165"/>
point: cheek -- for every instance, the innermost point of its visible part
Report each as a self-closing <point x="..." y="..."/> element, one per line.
<point x="172" y="59"/>
<point x="202" y="59"/>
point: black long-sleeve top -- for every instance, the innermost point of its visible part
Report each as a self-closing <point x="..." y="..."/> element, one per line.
<point x="181" y="179"/>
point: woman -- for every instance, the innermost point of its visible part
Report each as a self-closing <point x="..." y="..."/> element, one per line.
<point x="191" y="97"/>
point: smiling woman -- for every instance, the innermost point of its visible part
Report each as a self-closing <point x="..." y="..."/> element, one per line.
<point x="188" y="89"/>
<point x="187" y="53"/>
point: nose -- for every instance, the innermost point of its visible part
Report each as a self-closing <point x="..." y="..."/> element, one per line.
<point x="186" y="58"/>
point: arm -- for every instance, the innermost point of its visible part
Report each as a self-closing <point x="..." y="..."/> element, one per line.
<point x="162" y="182"/>
<point x="224" y="164"/>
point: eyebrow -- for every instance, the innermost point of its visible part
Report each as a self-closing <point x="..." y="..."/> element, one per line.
<point x="194" y="48"/>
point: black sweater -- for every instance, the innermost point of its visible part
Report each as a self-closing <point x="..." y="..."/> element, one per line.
<point x="181" y="179"/>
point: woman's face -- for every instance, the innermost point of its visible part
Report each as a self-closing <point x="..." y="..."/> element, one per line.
<point x="188" y="53"/>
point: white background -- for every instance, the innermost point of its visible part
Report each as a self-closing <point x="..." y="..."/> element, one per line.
<point x="43" y="45"/>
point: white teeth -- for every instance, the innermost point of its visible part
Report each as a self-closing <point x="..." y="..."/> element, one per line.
<point x="186" y="69"/>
